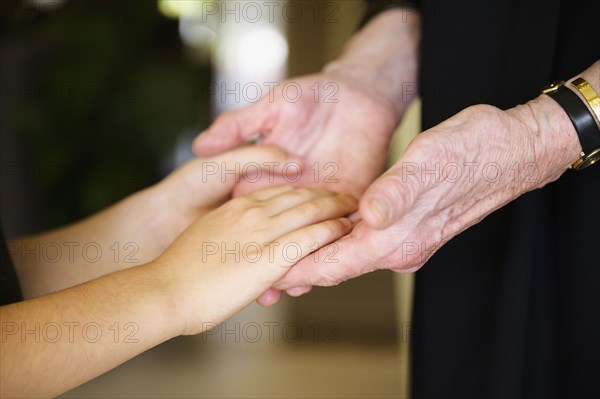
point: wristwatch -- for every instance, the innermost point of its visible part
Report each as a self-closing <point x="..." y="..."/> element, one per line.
<point x="583" y="120"/>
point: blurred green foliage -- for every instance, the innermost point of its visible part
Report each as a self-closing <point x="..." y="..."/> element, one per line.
<point x="112" y="93"/>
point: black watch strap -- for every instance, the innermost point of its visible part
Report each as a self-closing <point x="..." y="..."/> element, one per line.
<point x="581" y="116"/>
<point x="376" y="7"/>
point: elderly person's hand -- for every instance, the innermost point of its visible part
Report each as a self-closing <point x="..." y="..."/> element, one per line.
<point x="339" y="122"/>
<point x="450" y="178"/>
<point x="341" y="137"/>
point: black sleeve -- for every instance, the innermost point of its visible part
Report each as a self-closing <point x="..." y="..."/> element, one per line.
<point x="375" y="7"/>
<point x="10" y="290"/>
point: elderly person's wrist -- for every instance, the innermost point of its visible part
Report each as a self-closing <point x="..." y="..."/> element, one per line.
<point x="556" y="144"/>
<point x="568" y="121"/>
<point x="383" y="56"/>
<point x="395" y="90"/>
<point x="573" y="110"/>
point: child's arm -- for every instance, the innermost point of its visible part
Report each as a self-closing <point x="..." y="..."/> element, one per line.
<point x="216" y="267"/>
<point x="138" y="229"/>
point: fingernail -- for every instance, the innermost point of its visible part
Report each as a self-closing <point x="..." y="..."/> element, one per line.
<point x="355" y="217"/>
<point x="197" y="140"/>
<point x="346" y="222"/>
<point x="380" y="209"/>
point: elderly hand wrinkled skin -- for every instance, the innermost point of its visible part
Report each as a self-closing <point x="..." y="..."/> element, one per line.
<point x="449" y="179"/>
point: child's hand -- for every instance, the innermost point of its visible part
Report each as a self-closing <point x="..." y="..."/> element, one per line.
<point x="202" y="184"/>
<point x="233" y="254"/>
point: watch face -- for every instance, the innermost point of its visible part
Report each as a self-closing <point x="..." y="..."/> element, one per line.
<point x="590" y="159"/>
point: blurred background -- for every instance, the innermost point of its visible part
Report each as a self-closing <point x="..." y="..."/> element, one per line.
<point x="102" y="98"/>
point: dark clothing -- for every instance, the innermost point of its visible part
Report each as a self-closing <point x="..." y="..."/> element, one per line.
<point x="511" y="307"/>
<point x="10" y="290"/>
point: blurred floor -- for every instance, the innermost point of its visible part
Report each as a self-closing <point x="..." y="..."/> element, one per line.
<point x="216" y="366"/>
<point x="318" y="371"/>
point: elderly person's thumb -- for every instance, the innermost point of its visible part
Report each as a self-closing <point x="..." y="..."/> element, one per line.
<point x="394" y="193"/>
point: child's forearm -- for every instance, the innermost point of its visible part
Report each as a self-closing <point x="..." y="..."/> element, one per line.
<point x="56" y="342"/>
<point x="128" y="234"/>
